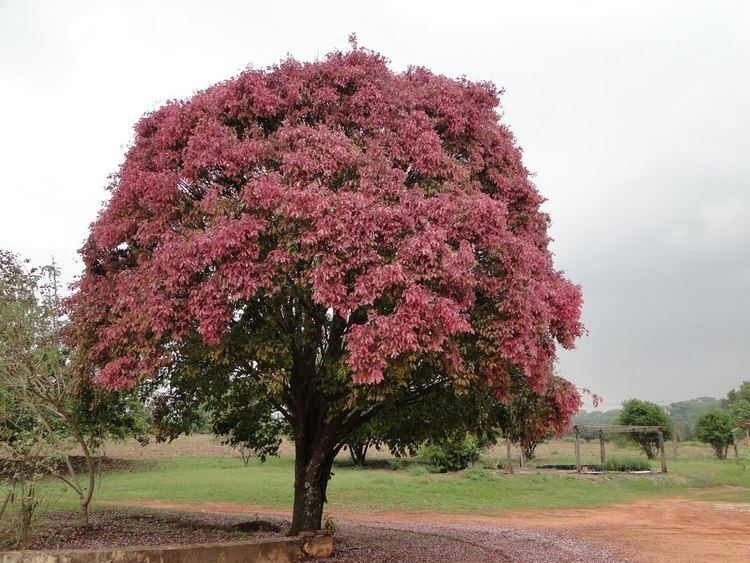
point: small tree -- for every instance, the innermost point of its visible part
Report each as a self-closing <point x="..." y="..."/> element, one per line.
<point x="715" y="428"/>
<point x="644" y="413"/>
<point x="25" y="459"/>
<point x="740" y="410"/>
<point x="530" y="416"/>
<point x="36" y="375"/>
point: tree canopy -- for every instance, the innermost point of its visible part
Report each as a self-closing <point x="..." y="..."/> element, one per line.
<point x="645" y="413"/>
<point x="324" y="241"/>
<point x="715" y="428"/>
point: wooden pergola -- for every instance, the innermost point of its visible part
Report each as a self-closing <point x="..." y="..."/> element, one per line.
<point x="744" y="425"/>
<point x="621" y="428"/>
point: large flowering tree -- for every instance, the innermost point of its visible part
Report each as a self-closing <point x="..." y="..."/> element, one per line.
<point x="321" y="240"/>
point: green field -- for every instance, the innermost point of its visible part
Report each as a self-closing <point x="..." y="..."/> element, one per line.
<point x="197" y="480"/>
<point x="407" y="485"/>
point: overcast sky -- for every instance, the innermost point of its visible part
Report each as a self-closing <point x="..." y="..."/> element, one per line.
<point x="634" y="116"/>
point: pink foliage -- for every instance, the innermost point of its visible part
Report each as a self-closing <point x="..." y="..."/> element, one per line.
<point x="362" y="185"/>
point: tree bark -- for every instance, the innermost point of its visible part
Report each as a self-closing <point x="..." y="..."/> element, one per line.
<point x="25" y="512"/>
<point x="316" y="443"/>
<point x="312" y="470"/>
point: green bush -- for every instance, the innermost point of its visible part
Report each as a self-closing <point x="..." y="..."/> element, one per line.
<point x="397" y="463"/>
<point x="715" y="428"/>
<point x="626" y="464"/>
<point x="453" y="455"/>
<point x="477" y="473"/>
<point x="644" y="413"/>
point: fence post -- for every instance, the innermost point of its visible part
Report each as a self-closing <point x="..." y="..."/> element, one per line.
<point x="601" y="445"/>
<point x="734" y="443"/>
<point x="662" y="455"/>
<point x="577" y="449"/>
<point x="510" y="457"/>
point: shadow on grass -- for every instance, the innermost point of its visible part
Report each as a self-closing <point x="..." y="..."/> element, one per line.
<point x="394" y="464"/>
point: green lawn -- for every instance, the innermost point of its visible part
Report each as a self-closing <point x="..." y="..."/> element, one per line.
<point x="412" y="488"/>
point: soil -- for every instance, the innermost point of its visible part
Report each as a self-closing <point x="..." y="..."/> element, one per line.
<point x="123" y="527"/>
<point x="657" y="530"/>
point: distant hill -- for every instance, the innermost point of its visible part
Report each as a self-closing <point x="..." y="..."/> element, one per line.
<point x="683" y="414"/>
<point x="597" y="417"/>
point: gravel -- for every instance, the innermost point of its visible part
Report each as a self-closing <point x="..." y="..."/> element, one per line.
<point x="433" y="543"/>
<point x="354" y="542"/>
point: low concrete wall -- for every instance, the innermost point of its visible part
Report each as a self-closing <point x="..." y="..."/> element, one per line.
<point x="276" y="551"/>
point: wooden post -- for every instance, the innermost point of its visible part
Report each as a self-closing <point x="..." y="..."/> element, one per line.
<point x="510" y="457"/>
<point x="662" y="456"/>
<point x="601" y="446"/>
<point x="577" y="448"/>
<point x="734" y="443"/>
<point x="521" y="459"/>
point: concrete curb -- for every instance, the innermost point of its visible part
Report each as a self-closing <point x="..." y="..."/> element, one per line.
<point x="284" y="550"/>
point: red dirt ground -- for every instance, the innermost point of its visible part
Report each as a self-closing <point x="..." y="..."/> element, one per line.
<point x="658" y="530"/>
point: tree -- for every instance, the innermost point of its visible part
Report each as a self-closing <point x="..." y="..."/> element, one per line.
<point x="737" y="403"/>
<point x="323" y="242"/>
<point x="741" y="393"/>
<point x="25" y="459"/>
<point x="529" y="417"/>
<point x="36" y="378"/>
<point x="715" y="428"/>
<point x="645" y="413"/>
<point x="685" y="414"/>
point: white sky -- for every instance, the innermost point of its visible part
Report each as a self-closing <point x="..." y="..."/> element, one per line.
<point x="635" y="117"/>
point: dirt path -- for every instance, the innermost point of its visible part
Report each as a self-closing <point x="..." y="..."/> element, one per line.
<point x="658" y="530"/>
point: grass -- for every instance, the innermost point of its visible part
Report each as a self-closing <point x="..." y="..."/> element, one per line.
<point x="197" y="480"/>
<point x="626" y="464"/>
<point x="408" y="485"/>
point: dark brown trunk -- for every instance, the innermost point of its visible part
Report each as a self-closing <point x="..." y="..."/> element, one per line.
<point x="358" y="453"/>
<point x="25" y="512"/>
<point x="312" y="470"/>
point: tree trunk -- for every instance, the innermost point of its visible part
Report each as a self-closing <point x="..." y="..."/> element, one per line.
<point x="529" y="450"/>
<point x="25" y="512"/>
<point x="83" y="514"/>
<point x="6" y="501"/>
<point x="312" y="470"/>
<point x="358" y="453"/>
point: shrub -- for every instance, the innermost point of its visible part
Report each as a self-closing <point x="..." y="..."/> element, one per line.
<point x="453" y="455"/>
<point x="478" y="474"/>
<point x="715" y="428"/>
<point x="626" y="464"/>
<point x="396" y="463"/>
<point x="644" y="413"/>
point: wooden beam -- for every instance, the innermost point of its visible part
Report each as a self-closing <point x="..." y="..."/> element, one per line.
<point x="662" y="455"/>
<point x="618" y="428"/>
<point x="601" y="445"/>
<point x="510" y="456"/>
<point x="577" y="449"/>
